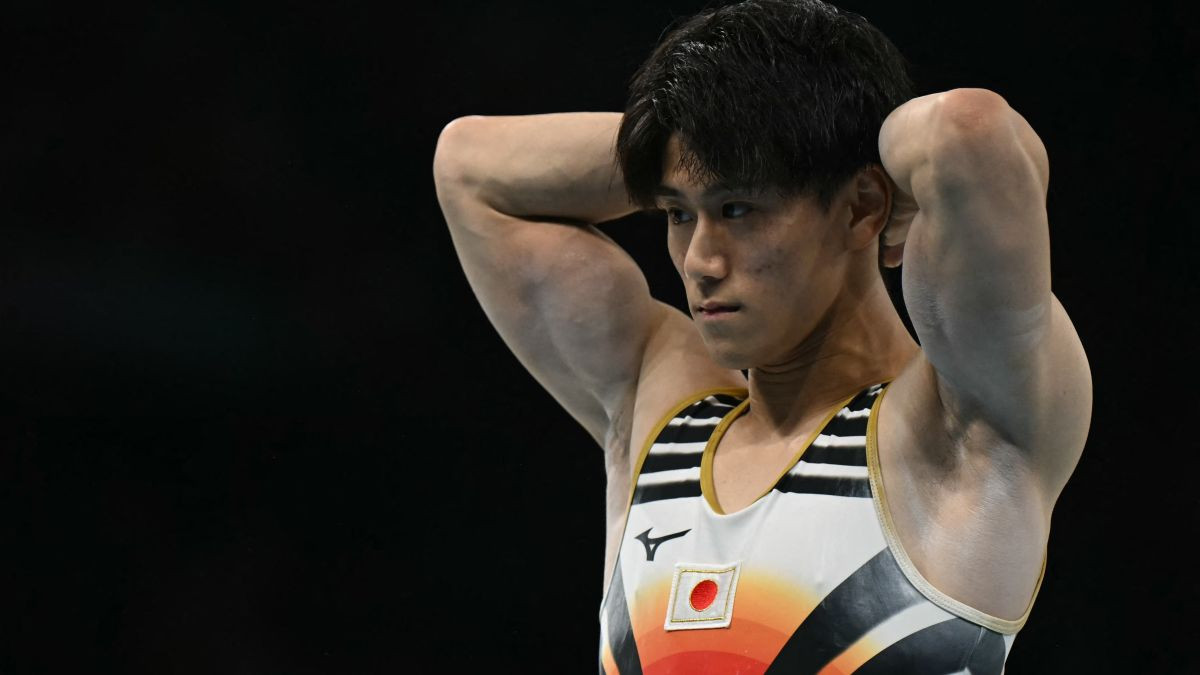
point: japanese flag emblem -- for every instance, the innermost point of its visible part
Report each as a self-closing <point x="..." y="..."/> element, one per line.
<point x="702" y="596"/>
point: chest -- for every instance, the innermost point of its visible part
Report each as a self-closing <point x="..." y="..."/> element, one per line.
<point x="724" y="483"/>
<point x="793" y="583"/>
<point x="790" y="509"/>
<point x="798" y="580"/>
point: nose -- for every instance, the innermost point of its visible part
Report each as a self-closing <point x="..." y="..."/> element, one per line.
<point x="707" y="258"/>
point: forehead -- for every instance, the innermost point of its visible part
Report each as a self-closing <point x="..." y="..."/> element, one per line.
<point x="678" y="181"/>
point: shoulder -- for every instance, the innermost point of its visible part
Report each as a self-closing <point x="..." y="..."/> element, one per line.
<point x="676" y="372"/>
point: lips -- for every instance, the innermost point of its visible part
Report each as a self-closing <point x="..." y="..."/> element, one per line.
<point x="716" y="308"/>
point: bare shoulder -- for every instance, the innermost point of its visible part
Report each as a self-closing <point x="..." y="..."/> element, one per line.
<point x="676" y="365"/>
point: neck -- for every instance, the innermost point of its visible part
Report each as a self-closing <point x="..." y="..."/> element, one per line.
<point x="860" y="341"/>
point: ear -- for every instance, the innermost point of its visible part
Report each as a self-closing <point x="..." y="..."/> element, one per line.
<point x="868" y="199"/>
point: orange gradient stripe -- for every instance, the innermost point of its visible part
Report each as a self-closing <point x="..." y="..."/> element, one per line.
<point x="766" y="611"/>
<point x="850" y="660"/>
<point x="706" y="663"/>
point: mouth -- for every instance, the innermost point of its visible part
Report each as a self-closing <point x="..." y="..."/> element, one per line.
<point x="716" y="310"/>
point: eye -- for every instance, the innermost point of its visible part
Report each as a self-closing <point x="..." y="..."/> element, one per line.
<point x="735" y="209"/>
<point x="677" y="216"/>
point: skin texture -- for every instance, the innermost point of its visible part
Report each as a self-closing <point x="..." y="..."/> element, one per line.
<point x="985" y="422"/>
<point x="813" y="318"/>
<point x="982" y="424"/>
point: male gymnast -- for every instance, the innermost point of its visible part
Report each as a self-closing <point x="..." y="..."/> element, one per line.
<point x="856" y="502"/>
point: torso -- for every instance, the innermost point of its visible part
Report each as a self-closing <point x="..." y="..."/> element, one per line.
<point x="962" y="506"/>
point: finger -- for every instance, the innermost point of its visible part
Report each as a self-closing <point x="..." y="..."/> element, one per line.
<point x="893" y="256"/>
<point x="896" y="231"/>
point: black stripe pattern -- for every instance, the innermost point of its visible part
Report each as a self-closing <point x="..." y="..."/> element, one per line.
<point x="874" y="592"/>
<point x="830" y="447"/>
<point x="951" y="646"/>
<point x="877" y="591"/>
<point x="693" y="425"/>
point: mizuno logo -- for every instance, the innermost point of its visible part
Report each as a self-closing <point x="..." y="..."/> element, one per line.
<point x="652" y="543"/>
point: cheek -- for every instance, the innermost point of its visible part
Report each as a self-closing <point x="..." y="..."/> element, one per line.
<point x="768" y="263"/>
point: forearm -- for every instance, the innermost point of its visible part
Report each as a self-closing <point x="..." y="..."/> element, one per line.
<point x="557" y="165"/>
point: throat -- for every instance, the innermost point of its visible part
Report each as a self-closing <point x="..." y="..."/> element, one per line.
<point x="745" y="467"/>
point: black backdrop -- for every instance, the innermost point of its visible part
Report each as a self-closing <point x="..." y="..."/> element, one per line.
<point x="254" y="421"/>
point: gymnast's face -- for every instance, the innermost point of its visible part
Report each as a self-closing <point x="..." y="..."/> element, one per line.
<point x="774" y="266"/>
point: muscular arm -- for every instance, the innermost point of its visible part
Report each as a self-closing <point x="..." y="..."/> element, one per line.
<point x="977" y="275"/>
<point x="558" y="165"/>
<point x="521" y="196"/>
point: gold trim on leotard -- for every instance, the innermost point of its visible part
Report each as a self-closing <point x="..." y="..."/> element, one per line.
<point x="955" y="607"/>
<point x="707" y="483"/>
<point x="691" y="400"/>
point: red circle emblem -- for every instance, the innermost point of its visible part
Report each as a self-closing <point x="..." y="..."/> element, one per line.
<point x="703" y="595"/>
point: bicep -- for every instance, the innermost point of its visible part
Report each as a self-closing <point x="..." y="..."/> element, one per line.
<point x="573" y="307"/>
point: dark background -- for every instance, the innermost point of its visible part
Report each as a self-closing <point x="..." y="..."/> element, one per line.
<point x="254" y="421"/>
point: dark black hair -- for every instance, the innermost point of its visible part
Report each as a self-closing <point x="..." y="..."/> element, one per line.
<point x="766" y="94"/>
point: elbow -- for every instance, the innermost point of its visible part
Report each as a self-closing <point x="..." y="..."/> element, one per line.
<point x="973" y="124"/>
<point x="980" y="131"/>
<point x="973" y="112"/>
<point x="451" y="157"/>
